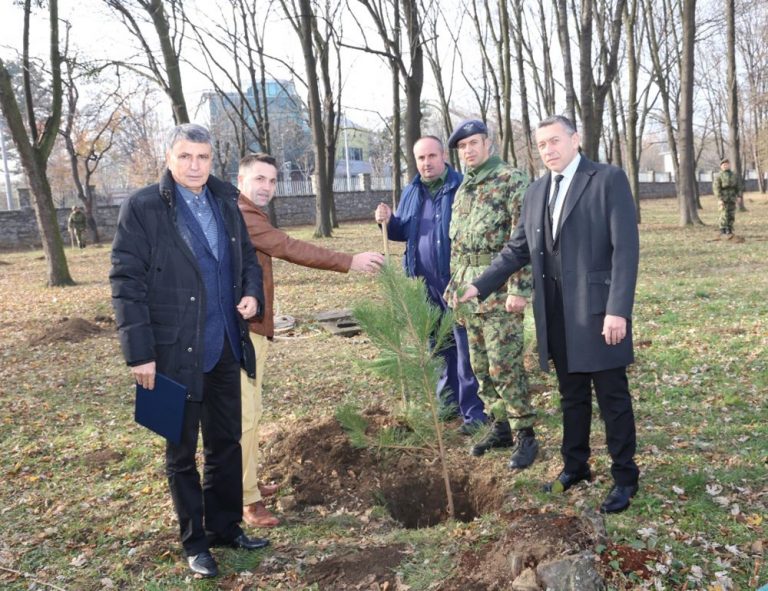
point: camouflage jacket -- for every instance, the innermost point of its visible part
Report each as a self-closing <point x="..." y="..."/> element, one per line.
<point x="77" y="220"/>
<point x="725" y="186"/>
<point x="485" y="212"/>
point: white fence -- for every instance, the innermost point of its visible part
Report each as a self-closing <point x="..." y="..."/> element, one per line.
<point x="341" y="184"/>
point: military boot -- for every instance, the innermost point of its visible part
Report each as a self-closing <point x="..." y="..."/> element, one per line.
<point x="525" y="450"/>
<point x="500" y="435"/>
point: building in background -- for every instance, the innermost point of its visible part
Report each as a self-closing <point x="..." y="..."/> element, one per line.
<point x="233" y="124"/>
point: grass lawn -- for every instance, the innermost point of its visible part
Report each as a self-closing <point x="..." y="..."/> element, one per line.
<point x="84" y="502"/>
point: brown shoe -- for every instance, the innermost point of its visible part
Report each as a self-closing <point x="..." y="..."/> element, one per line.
<point x="257" y="515"/>
<point x="268" y="490"/>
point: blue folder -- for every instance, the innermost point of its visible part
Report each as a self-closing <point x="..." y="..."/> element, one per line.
<point x="162" y="409"/>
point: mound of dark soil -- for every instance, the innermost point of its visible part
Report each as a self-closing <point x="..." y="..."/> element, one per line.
<point x="317" y="460"/>
<point x="366" y="568"/>
<point x="68" y="330"/>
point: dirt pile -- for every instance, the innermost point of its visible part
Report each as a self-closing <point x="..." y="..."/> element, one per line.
<point x="70" y="330"/>
<point x="317" y="460"/>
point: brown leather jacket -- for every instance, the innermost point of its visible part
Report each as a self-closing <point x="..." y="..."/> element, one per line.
<point x="271" y="242"/>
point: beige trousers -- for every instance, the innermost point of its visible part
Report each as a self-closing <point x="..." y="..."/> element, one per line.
<point x="252" y="410"/>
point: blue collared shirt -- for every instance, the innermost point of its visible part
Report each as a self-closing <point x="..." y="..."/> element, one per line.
<point x="200" y="206"/>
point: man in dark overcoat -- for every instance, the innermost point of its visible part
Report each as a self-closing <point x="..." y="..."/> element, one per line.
<point x="578" y="230"/>
<point x="185" y="278"/>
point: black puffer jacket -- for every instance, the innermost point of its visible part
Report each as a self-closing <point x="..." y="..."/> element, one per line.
<point x="157" y="290"/>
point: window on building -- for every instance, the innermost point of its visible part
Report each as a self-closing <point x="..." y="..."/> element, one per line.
<point x="355" y="153"/>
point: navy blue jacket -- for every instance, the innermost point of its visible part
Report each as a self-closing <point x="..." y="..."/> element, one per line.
<point x="404" y="224"/>
<point x="157" y="288"/>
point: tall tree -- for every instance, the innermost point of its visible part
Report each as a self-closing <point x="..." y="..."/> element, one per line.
<point x="390" y="17"/>
<point x="170" y="35"/>
<point x="593" y="92"/>
<point x="752" y="39"/>
<point x="686" y="185"/>
<point x="518" y="39"/>
<point x="664" y="48"/>
<point x="733" y="94"/>
<point x="563" y="35"/>
<point x="486" y="26"/>
<point x="35" y="141"/>
<point x="634" y="122"/>
<point x="317" y="45"/>
<point x="435" y="22"/>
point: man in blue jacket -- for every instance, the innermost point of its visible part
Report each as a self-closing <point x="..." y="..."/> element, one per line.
<point x="184" y="279"/>
<point x="422" y="220"/>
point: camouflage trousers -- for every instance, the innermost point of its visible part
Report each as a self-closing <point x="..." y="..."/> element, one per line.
<point x="496" y="356"/>
<point x="727" y="215"/>
<point x="79" y="237"/>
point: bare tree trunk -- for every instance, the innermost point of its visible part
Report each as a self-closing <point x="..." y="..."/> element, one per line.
<point x="397" y="184"/>
<point x="430" y="34"/>
<point x="323" y="225"/>
<point x="414" y="81"/>
<point x="733" y="98"/>
<point x="686" y="182"/>
<point x="490" y="68"/>
<point x="175" y="90"/>
<point x="35" y="147"/>
<point x="526" y="120"/>
<point x="565" y="47"/>
<point x="662" y="74"/>
<point x="616" y="158"/>
<point x="168" y="77"/>
<point x="593" y="95"/>
<point x="633" y="159"/>
<point x="505" y="63"/>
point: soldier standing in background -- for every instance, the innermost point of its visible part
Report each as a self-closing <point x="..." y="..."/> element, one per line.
<point x="727" y="190"/>
<point x="485" y="212"/>
<point x="76" y="224"/>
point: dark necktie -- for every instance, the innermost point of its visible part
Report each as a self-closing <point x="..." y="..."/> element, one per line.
<point x="553" y="200"/>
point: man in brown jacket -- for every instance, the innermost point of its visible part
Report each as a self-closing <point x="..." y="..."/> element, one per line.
<point x="257" y="181"/>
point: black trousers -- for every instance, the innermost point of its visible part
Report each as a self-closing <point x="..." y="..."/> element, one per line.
<point x="210" y="514"/>
<point x="613" y="398"/>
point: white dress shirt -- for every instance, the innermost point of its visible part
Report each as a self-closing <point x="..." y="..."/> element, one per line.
<point x="565" y="184"/>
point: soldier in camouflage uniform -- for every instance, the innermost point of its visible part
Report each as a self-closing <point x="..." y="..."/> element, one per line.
<point x="485" y="212"/>
<point x="76" y="224"/>
<point x="727" y="190"/>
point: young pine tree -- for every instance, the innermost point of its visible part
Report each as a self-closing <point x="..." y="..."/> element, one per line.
<point x="409" y="332"/>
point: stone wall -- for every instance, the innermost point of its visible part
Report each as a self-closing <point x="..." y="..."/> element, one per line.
<point x="18" y="229"/>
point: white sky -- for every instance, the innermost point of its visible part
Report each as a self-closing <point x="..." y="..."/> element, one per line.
<point x="98" y="33"/>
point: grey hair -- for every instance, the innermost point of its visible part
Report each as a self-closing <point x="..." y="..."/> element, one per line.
<point x="191" y="132"/>
<point x="563" y="120"/>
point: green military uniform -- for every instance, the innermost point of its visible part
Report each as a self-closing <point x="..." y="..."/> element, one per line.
<point x="727" y="190"/>
<point x="485" y="211"/>
<point x="77" y="223"/>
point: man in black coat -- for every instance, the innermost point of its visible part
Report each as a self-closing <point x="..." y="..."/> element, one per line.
<point x="578" y="230"/>
<point x="184" y="279"/>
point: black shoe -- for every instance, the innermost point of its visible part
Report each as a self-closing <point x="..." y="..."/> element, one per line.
<point x="566" y="480"/>
<point x="525" y="451"/>
<point x="203" y="564"/>
<point x="245" y="543"/>
<point x="618" y="499"/>
<point x="470" y="428"/>
<point x="499" y="436"/>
